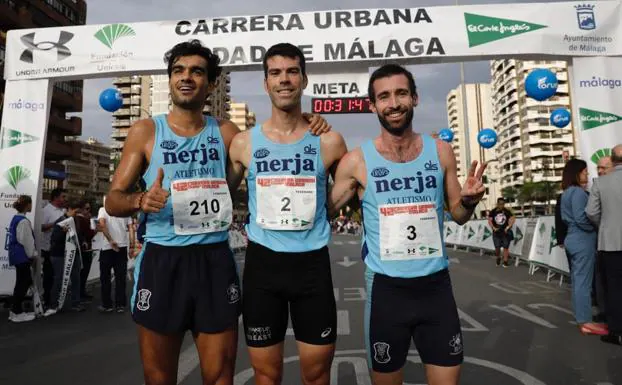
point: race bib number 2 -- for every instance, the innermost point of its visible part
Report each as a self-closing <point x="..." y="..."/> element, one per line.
<point x="201" y="206"/>
<point x="409" y="231"/>
<point x="286" y="203"/>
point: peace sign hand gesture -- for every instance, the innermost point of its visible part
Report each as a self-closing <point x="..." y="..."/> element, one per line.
<point x="474" y="189"/>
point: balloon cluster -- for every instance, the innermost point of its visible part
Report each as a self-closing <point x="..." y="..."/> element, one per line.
<point x="540" y="85"/>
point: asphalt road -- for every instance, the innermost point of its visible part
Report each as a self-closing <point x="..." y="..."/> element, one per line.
<point x="518" y="329"/>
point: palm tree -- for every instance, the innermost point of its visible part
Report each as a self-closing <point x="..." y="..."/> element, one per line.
<point x="526" y="194"/>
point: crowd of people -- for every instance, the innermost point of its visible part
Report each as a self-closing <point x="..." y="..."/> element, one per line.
<point x="589" y="228"/>
<point x="109" y="236"/>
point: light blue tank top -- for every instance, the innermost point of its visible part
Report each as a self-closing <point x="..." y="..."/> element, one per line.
<point x="399" y="187"/>
<point x="199" y="156"/>
<point x="299" y="160"/>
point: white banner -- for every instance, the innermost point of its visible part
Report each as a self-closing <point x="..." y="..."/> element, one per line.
<point x="519" y="229"/>
<point x="543" y="249"/>
<point x="21" y="158"/>
<point x="339" y="36"/>
<point x="597" y="91"/>
<point x="72" y="256"/>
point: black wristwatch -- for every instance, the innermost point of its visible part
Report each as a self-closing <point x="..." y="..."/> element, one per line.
<point x="468" y="206"/>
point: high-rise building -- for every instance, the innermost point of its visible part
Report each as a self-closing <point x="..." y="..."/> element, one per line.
<point x="467" y="149"/>
<point x="242" y="116"/>
<point x="529" y="148"/>
<point x="160" y="95"/>
<point x="67" y="95"/>
<point x="136" y="92"/>
<point x="218" y="103"/>
<point x="89" y="176"/>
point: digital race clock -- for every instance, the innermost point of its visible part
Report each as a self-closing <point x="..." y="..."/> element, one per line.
<point x="340" y="105"/>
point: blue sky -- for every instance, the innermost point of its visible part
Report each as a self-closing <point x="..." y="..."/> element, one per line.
<point x="433" y="81"/>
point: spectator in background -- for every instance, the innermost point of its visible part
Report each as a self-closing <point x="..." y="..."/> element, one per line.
<point x="22" y="251"/>
<point x="604" y="166"/>
<point x="51" y="212"/>
<point x="58" y="243"/>
<point x="501" y="221"/>
<point x="85" y="236"/>
<point x="604" y="209"/>
<point x="113" y="257"/>
<point x="580" y="244"/>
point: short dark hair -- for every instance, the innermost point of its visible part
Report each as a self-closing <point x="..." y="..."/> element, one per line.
<point x="56" y="193"/>
<point x="22" y="202"/>
<point x="386" y="71"/>
<point x="285" y="50"/>
<point x="194" y="47"/>
<point x="74" y="203"/>
<point x="570" y="175"/>
<point x="501" y="199"/>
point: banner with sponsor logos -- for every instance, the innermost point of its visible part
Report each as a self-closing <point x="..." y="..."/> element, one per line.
<point x="544" y="249"/>
<point x="411" y="35"/>
<point x="477" y="234"/>
<point x="597" y="91"/>
<point x="26" y="108"/>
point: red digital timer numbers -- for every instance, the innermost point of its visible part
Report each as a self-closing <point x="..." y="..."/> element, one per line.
<point x="341" y="105"/>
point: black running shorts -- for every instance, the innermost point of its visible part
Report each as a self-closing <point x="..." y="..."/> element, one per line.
<point x="420" y="309"/>
<point x="277" y="283"/>
<point x="179" y="288"/>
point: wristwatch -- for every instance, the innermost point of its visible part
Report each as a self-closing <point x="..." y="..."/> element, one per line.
<point x="468" y="206"/>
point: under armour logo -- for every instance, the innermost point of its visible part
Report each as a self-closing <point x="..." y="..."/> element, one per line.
<point x="62" y="51"/>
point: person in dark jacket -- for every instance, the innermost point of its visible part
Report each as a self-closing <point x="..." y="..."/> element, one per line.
<point x="561" y="229"/>
<point x="22" y="251"/>
<point x="85" y="237"/>
<point x="57" y="255"/>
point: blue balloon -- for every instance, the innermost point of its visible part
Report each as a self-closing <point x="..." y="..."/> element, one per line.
<point x="560" y="117"/>
<point x="110" y="99"/>
<point x="487" y="138"/>
<point x="446" y="135"/>
<point x="541" y="84"/>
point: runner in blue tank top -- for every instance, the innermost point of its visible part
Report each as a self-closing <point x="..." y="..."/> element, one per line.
<point x="404" y="180"/>
<point x="287" y="268"/>
<point x="185" y="275"/>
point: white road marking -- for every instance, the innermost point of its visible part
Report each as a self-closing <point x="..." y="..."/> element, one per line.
<point x="338" y="243"/>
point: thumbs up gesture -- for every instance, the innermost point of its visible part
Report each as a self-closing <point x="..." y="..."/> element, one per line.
<point x="155" y="198"/>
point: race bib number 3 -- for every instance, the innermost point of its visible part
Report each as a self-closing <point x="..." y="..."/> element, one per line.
<point x="201" y="206"/>
<point x="409" y="231"/>
<point x="286" y="202"/>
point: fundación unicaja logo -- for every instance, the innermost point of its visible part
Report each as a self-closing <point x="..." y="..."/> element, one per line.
<point x="11" y="138"/>
<point x="15" y="175"/>
<point x="484" y="29"/>
<point x="113" y="32"/>
<point x="592" y="118"/>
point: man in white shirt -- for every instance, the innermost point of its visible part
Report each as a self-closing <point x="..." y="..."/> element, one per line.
<point x="113" y="256"/>
<point x="51" y="212"/>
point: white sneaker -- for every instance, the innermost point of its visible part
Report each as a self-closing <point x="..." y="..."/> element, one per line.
<point x="21" y="317"/>
<point x="50" y="312"/>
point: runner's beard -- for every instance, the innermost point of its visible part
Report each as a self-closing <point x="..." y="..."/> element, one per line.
<point x="399" y="130"/>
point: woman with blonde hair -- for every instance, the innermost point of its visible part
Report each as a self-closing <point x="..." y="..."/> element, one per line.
<point x="21" y="253"/>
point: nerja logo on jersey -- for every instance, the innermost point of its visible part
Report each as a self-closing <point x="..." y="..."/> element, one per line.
<point x="417" y="183"/>
<point x="201" y="155"/>
<point x="294" y="166"/>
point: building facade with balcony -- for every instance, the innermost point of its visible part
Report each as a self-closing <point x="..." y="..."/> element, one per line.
<point x="67" y="95"/>
<point x="529" y="148"/>
<point x="241" y="116"/>
<point x="466" y="146"/>
<point x="136" y="92"/>
<point x="89" y="176"/>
